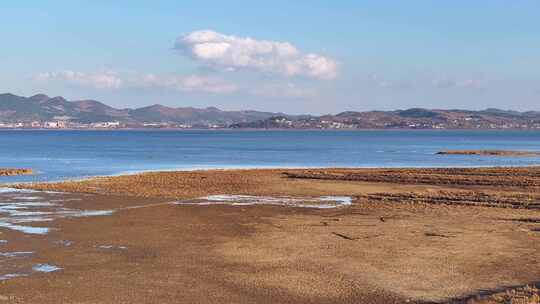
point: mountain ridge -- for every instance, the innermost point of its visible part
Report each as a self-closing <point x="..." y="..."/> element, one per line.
<point x="41" y="107"/>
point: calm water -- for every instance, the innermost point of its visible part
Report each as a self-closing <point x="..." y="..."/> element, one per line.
<point x="60" y="155"/>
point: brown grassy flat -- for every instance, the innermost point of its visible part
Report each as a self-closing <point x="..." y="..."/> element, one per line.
<point x="12" y="172"/>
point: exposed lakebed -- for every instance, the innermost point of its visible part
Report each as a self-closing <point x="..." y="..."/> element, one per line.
<point x="27" y="222"/>
<point x="23" y="210"/>
<point x="27" y="217"/>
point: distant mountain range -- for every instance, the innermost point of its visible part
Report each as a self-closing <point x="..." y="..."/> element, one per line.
<point x="42" y="108"/>
<point x="416" y="118"/>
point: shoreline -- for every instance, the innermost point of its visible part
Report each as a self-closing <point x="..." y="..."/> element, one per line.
<point x="251" y="168"/>
<point x="280" y="130"/>
<point x="255" y="167"/>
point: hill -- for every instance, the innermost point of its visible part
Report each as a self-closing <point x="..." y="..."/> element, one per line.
<point x="41" y="107"/>
<point x="18" y="111"/>
<point x="415" y="118"/>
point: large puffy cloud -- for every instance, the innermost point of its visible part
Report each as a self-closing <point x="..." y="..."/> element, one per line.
<point x="114" y="80"/>
<point x="232" y="52"/>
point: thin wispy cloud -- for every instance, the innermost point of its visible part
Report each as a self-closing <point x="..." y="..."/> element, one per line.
<point x="111" y="80"/>
<point x="98" y="80"/>
<point x="230" y="52"/>
<point x="191" y="83"/>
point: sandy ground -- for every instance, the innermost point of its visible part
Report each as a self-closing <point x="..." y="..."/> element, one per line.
<point x="375" y="251"/>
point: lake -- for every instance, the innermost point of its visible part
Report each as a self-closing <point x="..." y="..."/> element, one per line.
<point x="59" y="155"/>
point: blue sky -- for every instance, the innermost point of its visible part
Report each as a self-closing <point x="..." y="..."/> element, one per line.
<point x="291" y="56"/>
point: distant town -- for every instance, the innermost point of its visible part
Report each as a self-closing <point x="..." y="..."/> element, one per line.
<point x="66" y="124"/>
<point x="44" y="112"/>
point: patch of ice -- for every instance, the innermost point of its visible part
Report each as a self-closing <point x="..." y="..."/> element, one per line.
<point x="15" y="190"/>
<point x="29" y="198"/>
<point x="45" y="268"/>
<point x="25" y="229"/>
<point x="29" y="213"/>
<point x="16" y="254"/>
<point x="111" y="247"/>
<point x="85" y="213"/>
<point x="34" y="204"/>
<point x="323" y="202"/>
<point x="50" y="192"/>
<point x="344" y="200"/>
<point x="34" y="219"/>
<point x="234" y="198"/>
<point x="8" y="208"/>
<point x="12" y="276"/>
<point x="17" y="210"/>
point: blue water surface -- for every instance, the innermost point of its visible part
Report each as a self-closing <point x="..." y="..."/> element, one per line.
<point x="59" y="155"/>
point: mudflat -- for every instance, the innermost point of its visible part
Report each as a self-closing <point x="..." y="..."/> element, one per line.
<point x="490" y="152"/>
<point x="410" y="235"/>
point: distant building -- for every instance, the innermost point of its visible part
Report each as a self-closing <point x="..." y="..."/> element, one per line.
<point x="51" y="125"/>
<point x="105" y="125"/>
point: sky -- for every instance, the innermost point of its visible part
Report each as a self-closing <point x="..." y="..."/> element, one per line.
<point x="313" y="57"/>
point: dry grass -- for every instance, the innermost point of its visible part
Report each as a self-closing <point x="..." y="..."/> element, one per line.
<point x="11" y="172"/>
<point x="485" y="177"/>
<point x="463" y="198"/>
<point x="188" y="184"/>
<point x="191" y="184"/>
<point x="523" y="295"/>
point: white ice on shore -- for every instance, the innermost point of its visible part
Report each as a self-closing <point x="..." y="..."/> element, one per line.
<point x="16" y="254"/>
<point x="15" y="190"/>
<point x="111" y="247"/>
<point x="19" y="207"/>
<point x="12" y="276"/>
<point x="322" y="202"/>
<point x="45" y="268"/>
<point x="25" y="229"/>
<point x="27" y="211"/>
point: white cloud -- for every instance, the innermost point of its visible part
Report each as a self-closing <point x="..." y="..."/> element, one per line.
<point x="192" y="83"/>
<point x="114" y="80"/>
<point x="100" y="80"/>
<point x="232" y="52"/>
